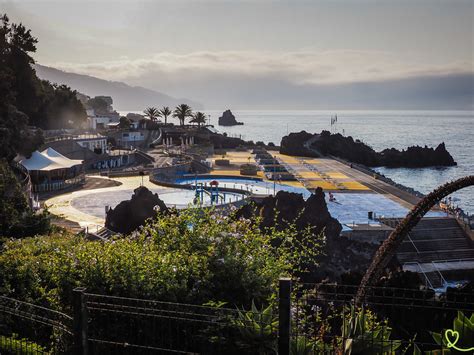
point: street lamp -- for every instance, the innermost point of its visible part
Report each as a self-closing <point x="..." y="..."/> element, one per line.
<point x="274" y="173"/>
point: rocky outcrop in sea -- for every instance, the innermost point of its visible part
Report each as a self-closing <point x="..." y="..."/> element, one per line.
<point x="228" y="119"/>
<point x="355" y="151"/>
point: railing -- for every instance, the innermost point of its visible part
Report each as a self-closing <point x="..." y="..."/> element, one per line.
<point x="421" y="271"/>
<point x="326" y="320"/>
<point x="303" y="319"/>
<point x="59" y="185"/>
<point x="26" y="328"/>
<point x="118" y="325"/>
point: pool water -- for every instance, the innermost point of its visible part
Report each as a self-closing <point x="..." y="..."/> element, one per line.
<point x="252" y="185"/>
<point x="94" y="204"/>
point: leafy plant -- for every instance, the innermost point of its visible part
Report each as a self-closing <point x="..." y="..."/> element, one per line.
<point x="258" y="329"/>
<point x="363" y="334"/>
<point x="13" y="345"/>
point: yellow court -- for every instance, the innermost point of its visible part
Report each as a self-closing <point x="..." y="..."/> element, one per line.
<point x="336" y="175"/>
<point x="322" y="184"/>
<point x="309" y="175"/>
<point x="312" y="161"/>
<point x="354" y="185"/>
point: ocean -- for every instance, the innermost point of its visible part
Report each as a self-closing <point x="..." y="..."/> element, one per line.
<point x="379" y="129"/>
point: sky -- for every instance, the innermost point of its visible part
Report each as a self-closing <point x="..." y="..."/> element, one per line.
<point x="241" y="52"/>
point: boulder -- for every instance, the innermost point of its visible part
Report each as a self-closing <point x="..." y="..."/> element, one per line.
<point x="131" y="214"/>
<point x="228" y="119"/>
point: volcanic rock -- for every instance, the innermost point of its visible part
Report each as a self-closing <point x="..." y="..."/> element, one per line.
<point x="130" y="214"/>
<point x="228" y="119"/>
<point x="340" y="254"/>
<point x="293" y="144"/>
<point x="355" y="151"/>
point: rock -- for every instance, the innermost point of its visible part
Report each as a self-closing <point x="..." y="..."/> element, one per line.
<point x="346" y="148"/>
<point x="293" y="144"/>
<point x="222" y="141"/>
<point x="129" y="215"/>
<point x="355" y="151"/>
<point x="415" y="157"/>
<point x="228" y="119"/>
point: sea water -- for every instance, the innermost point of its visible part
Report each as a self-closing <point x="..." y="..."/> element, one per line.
<point x="379" y="129"/>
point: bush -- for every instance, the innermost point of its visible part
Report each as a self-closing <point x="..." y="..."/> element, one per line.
<point x="193" y="256"/>
<point x="14" y="345"/>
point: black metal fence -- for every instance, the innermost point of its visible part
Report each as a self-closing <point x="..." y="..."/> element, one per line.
<point x="304" y="319"/>
<point x="26" y="328"/>
<point x="326" y="320"/>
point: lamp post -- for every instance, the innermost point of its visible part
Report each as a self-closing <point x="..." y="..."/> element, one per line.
<point x="274" y="173"/>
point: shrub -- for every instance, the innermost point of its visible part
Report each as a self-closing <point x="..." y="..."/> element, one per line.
<point x="193" y="256"/>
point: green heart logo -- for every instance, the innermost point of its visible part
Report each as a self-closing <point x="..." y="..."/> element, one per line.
<point x="452" y="337"/>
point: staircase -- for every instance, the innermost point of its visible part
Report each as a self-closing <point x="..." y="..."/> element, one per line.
<point x="431" y="241"/>
<point x="102" y="234"/>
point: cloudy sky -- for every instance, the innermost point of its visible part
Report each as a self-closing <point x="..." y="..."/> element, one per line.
<point x="259" y="53"/>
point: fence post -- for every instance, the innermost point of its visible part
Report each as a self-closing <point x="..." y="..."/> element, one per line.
<point x="79" y="321"/>
<point x="284" y="316"/>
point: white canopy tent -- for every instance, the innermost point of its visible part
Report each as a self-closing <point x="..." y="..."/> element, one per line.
<point x="48" y="160"/>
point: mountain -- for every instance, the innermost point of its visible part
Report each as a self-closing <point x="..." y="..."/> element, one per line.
<point x="126" y="97"/>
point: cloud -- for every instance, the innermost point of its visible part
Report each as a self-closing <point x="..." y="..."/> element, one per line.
<point x="297" y="67"/>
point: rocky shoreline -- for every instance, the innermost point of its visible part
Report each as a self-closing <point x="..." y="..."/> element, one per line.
<point x="355" y="151"/>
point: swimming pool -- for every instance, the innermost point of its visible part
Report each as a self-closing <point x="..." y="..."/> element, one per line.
<point x="252" y="185"/>
<point x="94" y="204"/>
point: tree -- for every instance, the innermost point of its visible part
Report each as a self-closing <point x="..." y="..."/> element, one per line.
<point x="181" y="112"/>
<point x="152" y="113"/>
<point x="25" y="99"/>
<point x="124" y="122"/>
<point x="165" y="112"/>
<point x="199" y="118"/>
<point x="98" y="104"/>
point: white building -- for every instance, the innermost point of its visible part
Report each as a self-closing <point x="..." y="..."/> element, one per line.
<point x="131" y="138"/>
<point x="92" y="141"/>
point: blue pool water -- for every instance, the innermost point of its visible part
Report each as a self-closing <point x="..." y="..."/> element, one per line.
<point x="94" y="203"/>
<point x="349" y="208"/>
<point x="252" y="185"/>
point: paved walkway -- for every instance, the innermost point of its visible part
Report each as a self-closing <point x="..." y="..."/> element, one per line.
<point x="332" y="175"/>
<point x="62" y="207"/>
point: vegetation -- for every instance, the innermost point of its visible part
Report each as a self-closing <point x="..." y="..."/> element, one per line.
<point x="14" y="345"/>
<point x="98" y="104"/>
<point x="193" y="256"/>
<point x="165" y="112"/>
<point x="27" y="100"/>
<point x="199" y="118"/>
<point x="16" y="218"/>
<point x="124" y="122"/>
<point x="152" y="113"/>
<point x="182" y="112"/>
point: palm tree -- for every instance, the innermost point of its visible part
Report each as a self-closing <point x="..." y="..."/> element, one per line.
<point x="165" y="112"/>
<point x="181" y="112"/>
<point x="152" y="113"/>
<point x="199" y="118"/>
